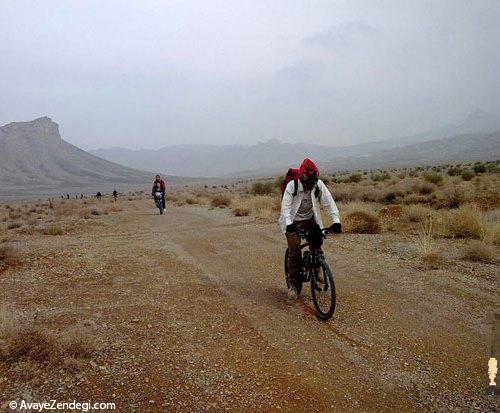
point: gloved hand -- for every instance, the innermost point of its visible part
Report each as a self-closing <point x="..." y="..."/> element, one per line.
<point x="290" y="228"/>
<point x="336" y="228"/>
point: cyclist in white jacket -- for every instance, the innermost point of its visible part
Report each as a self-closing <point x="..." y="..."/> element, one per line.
<point x="300" y="209"/>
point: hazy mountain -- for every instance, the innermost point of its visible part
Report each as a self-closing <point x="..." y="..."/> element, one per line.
<point x="33" y="155"/>
<point x="460" y="148"/>
<point x="223" y="160"/>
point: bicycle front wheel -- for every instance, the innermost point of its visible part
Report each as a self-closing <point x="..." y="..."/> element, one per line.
<point x="323" y="290"/>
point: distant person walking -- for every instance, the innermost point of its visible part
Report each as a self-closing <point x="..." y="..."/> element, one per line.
<point x="115" y="194"/>
<point x="98" y="196"/>
<point x="159" y="185"/>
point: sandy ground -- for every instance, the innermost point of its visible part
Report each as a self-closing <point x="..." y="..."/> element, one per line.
<point x="191" y="314"/>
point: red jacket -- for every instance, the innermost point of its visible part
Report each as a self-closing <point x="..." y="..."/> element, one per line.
<point x="163" y="186"/>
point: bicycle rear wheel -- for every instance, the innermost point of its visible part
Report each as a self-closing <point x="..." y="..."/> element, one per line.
<point x="323" y="290"/>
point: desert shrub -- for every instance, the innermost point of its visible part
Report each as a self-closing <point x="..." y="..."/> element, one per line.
<point x="361" y="222"/>
<point x="14" y="225"/>
<point x="95" y="212"/>
<point x="77" y="344"/>
<point x="241" y="212"/>
<point x="433" y="178"/>
<point x="84" y="213"/>
<point x="263" y="207"/>
<point x="343" y="194"/>
<point x="430" y="255"/>
<point x="417" y="213"/>
<point x="22" y="341"/>
<point x="380" y="177"/>
<point x="28" y="343"/>
<point x="220" y="201"/>
<point x="325" y="179"/>
<point x="453" y="171"/>
<point x="479" y="168"/>
<point x="391" y="196"/>
<point x="426" y="188"/>
<point x="262" y="188"/>
<point x="54" y="229"/>
<point x="415" y="199"/>
<point x="492" y="167"/>
<point x="464" y="222"/>
<point x="191" y="200"/>
<point x="8" y="257"/>
<point x="13" y="215"/>
<point x="353" y="178"/>
<point x="432" y="261"/>
<point x="452" y="198"/>
<point x="480" y="252"/>
<point x="467" y="175"/>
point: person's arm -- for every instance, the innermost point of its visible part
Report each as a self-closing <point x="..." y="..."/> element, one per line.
<point x="328" y="203"/>
<point x="286" y="203"/>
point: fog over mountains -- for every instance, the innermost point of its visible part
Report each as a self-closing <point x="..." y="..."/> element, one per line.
<point x="472" y="139"/>
<point x="35" y="159"/>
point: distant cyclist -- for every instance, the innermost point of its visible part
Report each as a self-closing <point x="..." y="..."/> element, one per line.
<point x="300" y="209"/>
<point x="159" y="185"/>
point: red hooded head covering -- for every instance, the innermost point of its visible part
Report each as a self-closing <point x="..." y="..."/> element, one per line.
<point x="309" y="173"/>
<point x="308" y="169"/>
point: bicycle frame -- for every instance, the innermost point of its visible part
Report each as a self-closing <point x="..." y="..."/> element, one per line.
<point x="310" y="257"/>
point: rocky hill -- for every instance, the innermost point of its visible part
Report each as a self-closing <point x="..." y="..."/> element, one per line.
<point x="34" y="157"/>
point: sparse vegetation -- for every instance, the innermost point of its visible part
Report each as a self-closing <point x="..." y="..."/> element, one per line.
<point x="262" y="188"/>
<point x="361" y="222"/>
<point x="220" y="201"/>
<point x="479" y="251"/>
<point x="54" y="228"/>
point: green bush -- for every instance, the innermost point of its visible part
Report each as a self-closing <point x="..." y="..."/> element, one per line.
<point x="479" y="168"/>
<point x="467" y="174"/>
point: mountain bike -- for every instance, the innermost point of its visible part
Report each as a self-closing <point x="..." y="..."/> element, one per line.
<point x="317" y="272"/>
<point x="158" y="201"/>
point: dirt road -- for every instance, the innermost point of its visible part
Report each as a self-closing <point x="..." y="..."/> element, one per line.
<point x="191" y="314"/>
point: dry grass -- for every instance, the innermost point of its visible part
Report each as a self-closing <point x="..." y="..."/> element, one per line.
<point x="241" y="212"/>
<point x="77" y="344"/>
<point x="360" y="218"/>
<point x="84" y="213"/>
<point x="464" y="222"/>
<point x="14" y="225"/>
<point x="361" y="222"/>
<point x="479" y="251"/>
<point x="427" y="247"/>
<point x="220" y="201"/>
<point x="418" y="213"/>
<point x="23" y="342"/>
<point x="262" y="207"/>
<point x="8" y="257"/>
<point x="54" y="228"/>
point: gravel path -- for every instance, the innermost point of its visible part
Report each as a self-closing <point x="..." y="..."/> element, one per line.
<point x="190" y="313"/>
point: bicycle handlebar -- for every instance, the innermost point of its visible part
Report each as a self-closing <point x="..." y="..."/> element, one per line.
<point x="304" y="233"/>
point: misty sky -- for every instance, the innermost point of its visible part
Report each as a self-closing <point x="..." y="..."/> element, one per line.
<point x="145" y="74"/>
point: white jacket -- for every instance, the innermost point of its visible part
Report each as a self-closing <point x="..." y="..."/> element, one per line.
<point x="290" y="204"/>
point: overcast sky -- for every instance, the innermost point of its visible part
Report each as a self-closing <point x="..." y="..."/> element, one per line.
<point x="145" y="74"/>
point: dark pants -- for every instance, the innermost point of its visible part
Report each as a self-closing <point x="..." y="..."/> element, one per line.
<point x="294" y="251"/>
